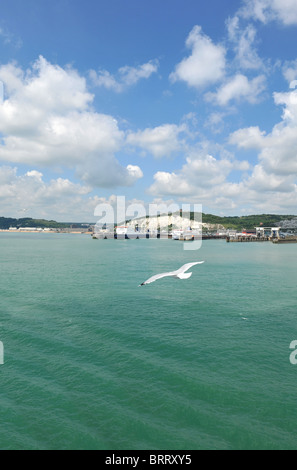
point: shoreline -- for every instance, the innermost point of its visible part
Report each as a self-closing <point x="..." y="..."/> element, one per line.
<point x="55" y="232"/>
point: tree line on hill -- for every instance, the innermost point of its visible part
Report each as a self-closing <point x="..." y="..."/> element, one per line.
<point x="6" y="223"/>
<point x="248" y="222"/>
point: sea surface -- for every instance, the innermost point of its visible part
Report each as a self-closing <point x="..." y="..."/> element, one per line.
<point x="92" y="361"/>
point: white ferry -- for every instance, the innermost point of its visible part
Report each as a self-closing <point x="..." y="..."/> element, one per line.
<point x="183" y="235"/>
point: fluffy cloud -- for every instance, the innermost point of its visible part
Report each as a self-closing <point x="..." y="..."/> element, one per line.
<point x="200" y="177"/>
<point x="160" y="141"/>
<point x="243" y="41"/>
<point x="274" y="177"/>
<point x="126" y="76"/>
<point x="30" y="194"/>
<point x="278" y="154"/>
<point x="224" y="183"/>
<point x="239" y="88"/>
<point x="284" y="11"/>
<point x="290" y="73"/>
<point x="248" y="138"/>
<point x="206" y="64"/>
<point x="260" y="192"/>
<point x="170" y="184"/>
<point x="262" y="181"/>
<point x="47" y="120"/>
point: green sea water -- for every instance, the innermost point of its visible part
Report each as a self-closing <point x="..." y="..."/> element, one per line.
<point x="94" y="362"/>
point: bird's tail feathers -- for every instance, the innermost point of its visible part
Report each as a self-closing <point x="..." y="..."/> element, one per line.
<point x="185" y="275"/>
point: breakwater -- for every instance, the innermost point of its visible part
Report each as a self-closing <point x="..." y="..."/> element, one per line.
<point x="247" y="239"/>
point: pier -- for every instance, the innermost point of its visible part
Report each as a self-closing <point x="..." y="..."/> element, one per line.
<point x="129" y="236"/>
<point x="162" y="236"/>
<point x="259" y="234"/>
<point x="262" y="234"/>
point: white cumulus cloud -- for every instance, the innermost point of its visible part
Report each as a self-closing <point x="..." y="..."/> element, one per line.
<point x="243" y="40"/>
<point x="125" y="77"/>
<point x="58" y="198"/>
<point x="290" y="73"/>
<point x="206" y="64"/>
<point x="273" y="179"/>
<point x="248" y="138"/>
<point x="284" y="11"/>
<point x="161" y="141"/>
<point x="278" y="149"/>
<point x="199" y="178"/>
<point x="239" y="88"/>
<point x="47" y="119"/>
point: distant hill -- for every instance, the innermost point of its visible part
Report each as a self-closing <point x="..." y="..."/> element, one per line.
<point x="5" y="223"/>
<point x="248" y="222"/>
<point x="212" y="222"/>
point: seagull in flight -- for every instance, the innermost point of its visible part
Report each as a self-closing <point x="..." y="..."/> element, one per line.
<point x="179" y="274"/>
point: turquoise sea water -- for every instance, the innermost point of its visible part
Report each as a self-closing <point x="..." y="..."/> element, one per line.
<point x="94" y="362"/>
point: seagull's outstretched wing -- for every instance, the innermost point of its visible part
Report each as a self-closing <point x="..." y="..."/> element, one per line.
<point x="188" y="266"/>
<point x="156" y="278"/>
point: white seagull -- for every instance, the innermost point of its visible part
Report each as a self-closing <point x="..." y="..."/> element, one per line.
<point x="179" y="274"/>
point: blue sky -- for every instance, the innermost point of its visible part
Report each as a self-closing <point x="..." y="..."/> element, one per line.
<point x="172" y="101"/>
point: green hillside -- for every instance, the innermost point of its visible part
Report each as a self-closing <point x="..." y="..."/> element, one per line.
<point x="248" y="222"/>
<point x="5" y="223"/>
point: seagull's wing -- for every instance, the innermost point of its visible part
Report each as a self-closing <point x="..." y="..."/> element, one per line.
<point x="188" y="266"/>
<point x="157" y="277"/>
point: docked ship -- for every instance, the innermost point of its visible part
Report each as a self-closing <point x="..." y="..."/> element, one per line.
<point x="183" y="235"/>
